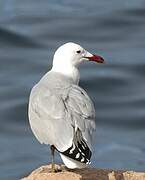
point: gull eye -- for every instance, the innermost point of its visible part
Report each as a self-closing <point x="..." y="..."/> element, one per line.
<point x="78" y="52"/>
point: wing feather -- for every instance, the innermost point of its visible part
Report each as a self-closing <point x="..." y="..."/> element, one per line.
<point x="56" y="113"/>
<point x="82" y="111"/>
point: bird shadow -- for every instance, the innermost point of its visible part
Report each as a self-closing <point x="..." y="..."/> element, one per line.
<point x="99" y="174"/>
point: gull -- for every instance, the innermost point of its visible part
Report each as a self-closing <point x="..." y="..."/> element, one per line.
<point x="61" y="114"/>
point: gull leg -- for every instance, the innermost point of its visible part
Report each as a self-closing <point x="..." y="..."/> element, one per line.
<point x="52" y="160"/>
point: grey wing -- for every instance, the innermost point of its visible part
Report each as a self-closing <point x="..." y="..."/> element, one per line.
<point x="47" y="117"/>
<point x="64" y="118"/>
<point x="82" y="117"/>
<point x="81" y="111"/>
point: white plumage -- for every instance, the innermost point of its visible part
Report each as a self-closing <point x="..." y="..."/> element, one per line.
<point x="61" y="113"/>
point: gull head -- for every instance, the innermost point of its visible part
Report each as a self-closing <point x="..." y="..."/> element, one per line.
<point x="71" y="55"/>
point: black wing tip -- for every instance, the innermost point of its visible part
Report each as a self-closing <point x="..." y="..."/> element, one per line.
<point x="80" y="153"/>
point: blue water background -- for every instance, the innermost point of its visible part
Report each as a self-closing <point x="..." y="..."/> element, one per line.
<point x="30" y="31"/>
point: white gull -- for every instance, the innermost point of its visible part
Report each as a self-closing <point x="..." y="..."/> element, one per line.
<point x="61" y="113"/>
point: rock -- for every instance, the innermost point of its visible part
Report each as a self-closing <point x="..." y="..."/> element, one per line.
<point x="44" y="173"/>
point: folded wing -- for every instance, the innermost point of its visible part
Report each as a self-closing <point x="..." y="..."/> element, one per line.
<point x="63" y="117"/>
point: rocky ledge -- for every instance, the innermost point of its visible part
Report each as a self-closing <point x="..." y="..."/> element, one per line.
<point x="44" y="173"/>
